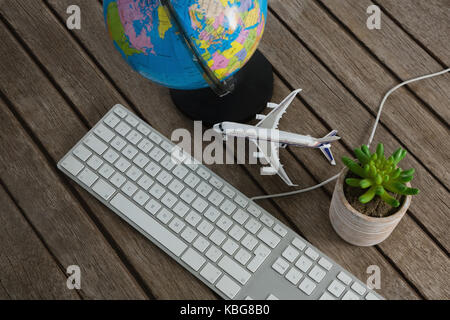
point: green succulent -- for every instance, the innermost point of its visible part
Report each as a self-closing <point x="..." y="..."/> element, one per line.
<point x="379" y="174"/>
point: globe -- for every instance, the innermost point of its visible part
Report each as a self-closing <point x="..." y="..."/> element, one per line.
<point x="223" y="33"/>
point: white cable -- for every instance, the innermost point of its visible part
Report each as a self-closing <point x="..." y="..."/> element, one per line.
<point x="377" y="120"/>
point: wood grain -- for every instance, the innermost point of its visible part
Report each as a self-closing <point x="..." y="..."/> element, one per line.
<point x="369" y="81"/>
<point x="397" y="51"/>
<point x="27" y="269"/>
<point x="426" y="21"/>
<point x="336" y="107"/>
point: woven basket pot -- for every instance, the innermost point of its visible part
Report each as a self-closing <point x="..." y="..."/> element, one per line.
<point x="357" y="228"/>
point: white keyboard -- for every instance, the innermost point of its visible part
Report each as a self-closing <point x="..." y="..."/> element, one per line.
<point x="230" y="243"/>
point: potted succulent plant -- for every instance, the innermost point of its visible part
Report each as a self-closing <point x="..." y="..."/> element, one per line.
<point x="371" y="196"/>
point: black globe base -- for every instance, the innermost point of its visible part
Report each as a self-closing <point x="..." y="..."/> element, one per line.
<point x="253" y="88"/>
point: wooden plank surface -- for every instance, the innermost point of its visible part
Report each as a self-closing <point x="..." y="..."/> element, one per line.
<point x="129" y="84"/>
<point x="398" y="51"/>
<point x="328" y="99"/>
<point x="427" y="21"/>
<point x="90" y="82"/>
<point x="27" y="269"/>
<point x="365" y="78"/>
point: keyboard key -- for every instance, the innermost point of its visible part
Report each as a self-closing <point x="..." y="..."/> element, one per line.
<point x="210" y="273"/>
<point x="312" y="253"/>
<point x="217" y="237"/>
<point x="167" y="163"/>
<point x="203" y="173"/>
<point x="303" y="263"/>
<point x="249" y="242"/>
<point x="188" y="195"/>
<point x="129" y="151"/>
<point x="180" y="171"/>
<point x="120" y="111"/>
<point x="169" y="200"/>
<point x="152" y="169"/>
<point x="268" y="221"/>
<point x="336" y="288"/>
<point x="193" y="259"/>
<point x="243" y="256"/>
<point x="141" y="197"/>
<point x="123" y="129"/>
<point x="240" y="216"/>
<point x="82" y="152"/>
<point x="132" y="120"/>
<point x="237" y="232"/>
<point x="153" y="206"/>
<point x="164" y="178"/>
<point x="253" y="225"/>
<point x="167" y="146"/>
<point x="199" y="204"/>
<point x="142" y="128"/>
<point x="293" y="276"/>
<point x="103" y="189"/>
<point x="122" y="164"/>
<point x="213" y="253"/>
<point x="106" y="171"/>
<point x="345" y="278"/>
<point x="155" y="138"/>
<point x="280" y="230"/>
<point x="129" y="188"/>
<point x="317" y="274"/>
<point x="350" y="295"/>
<point x="216" y="182"/>
<point x="325" y="263"/>
<point x="112" y="120"/>
<point x="228" y="207"/>
<point x="228" y="287"/>
<point x="95" y="162"/>
<point x="95" y="144"/>
<point x="215" y="198"/>
<point x="180" y="209"/>
<point x="307" y="286"/>
<point x="164" y="215"/>
<point x="189" y="234"/>
<point x="72" y="165"/>
<point x="228" y="192"/>
<point x="192" y="180"/>
<point x="230" y="247"/>
<point x="205" y="227"/>
<point x="212" y="214"/>
<point x="261" y="253"/>
<point x="176" y="225"/>
<point x="176" y="186"/>
<point x="269" y="237"/>
<point x="104" y="133"/>
<point x="241" y="201"/>
<point x="145" y="145"/>
<point x="87" y="177"/>
<point x="299" y="244"/>
<point x="134" y="137"/>
<point x="280" y="266"/>
<point x="156" y="154"/>
<point x="360" y="289"/>
<point x="201" y="244"/>
<point x="234" y="270"/>
<point x="254" y="211"/>
<point x="224" y="223"/>
<point x="204" y="189"/>
<point x="327" y="296"/>
<point x="193" y="218"/>
<point x="145" y="182"/>
<point x="134" y="173"/>
<point x="290" y="254"/>
<point x="149" y="225"/>
<point x="118" y="143"/>
<point x="117" y="179"/>
<point x="111" y="156"/>
<point x="157" y="191"/>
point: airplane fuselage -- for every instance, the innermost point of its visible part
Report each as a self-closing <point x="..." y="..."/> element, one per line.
<point x="239" y="130"/>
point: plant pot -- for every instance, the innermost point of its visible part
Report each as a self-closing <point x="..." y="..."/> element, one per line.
<point x="357" y="228"/>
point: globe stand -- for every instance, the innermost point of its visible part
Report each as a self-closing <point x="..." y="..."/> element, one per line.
<point x="253" y="88"/>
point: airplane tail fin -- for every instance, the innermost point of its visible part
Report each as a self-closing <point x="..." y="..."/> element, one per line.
<point x="325" y="147"/>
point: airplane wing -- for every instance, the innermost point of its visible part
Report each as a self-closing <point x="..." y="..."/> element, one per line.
<point x="269" y="151"/>
<point x="273" y="118"/>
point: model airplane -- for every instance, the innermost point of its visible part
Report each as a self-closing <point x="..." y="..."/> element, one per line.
<point x="268" y="138"/>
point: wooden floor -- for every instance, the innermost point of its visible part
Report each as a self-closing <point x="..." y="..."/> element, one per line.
<point x="55" y="84"/>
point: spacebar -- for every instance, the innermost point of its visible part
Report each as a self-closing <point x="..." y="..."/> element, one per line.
<point x="148" y="224"/>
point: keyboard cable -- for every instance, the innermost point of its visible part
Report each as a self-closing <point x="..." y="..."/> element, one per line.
<point x="377" y="120"/>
